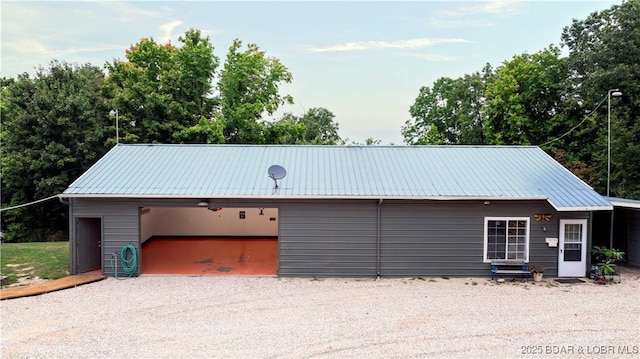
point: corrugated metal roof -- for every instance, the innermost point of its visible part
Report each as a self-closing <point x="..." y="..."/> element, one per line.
<point x="623" y="202"/>
<point x="404" y="172"/>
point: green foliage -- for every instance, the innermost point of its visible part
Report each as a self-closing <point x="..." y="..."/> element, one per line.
<point x="555" y="102"/>
<point x="536" y="268"/>
<point x="605" y="259"/>
<point x="524" y="98"/>
<point x="452" y="112"/>
<point x="52" y="131"/>
<point x="284" y="131"/>
<point x="321" y="129"/>
<point x="317" y="125"/>
<point x="249" y="86"/>
<point x="48" y="260"/>
<point x="57" y="124"/>
<point x="162" y="91"/>
<point x="603" y="54"/>
<point x="205" y="131"/>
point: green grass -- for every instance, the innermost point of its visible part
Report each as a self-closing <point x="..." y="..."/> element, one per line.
<point x="47" y="260"/>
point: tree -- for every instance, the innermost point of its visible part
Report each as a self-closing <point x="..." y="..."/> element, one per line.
<point x="471" y="93"/>
<point x="163" y="90"/>
<point x="249" y="87"/>
<point x="449" y="113"/>
<point x="604" y="50"/>
<point x="205" y="131"/>
<point x="524" y="98"/>
<point x="320" y="127"/>
<point x="288" y="130"/>
<point x="53" y="129"/>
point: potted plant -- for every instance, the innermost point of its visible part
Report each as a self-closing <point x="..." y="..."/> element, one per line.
<point x="605" y="259"/>
<point x="536" y="271"/>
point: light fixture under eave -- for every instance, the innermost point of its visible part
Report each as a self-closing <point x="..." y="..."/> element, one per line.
<point x="261" y="212"/>
<point x="203" y="203"/>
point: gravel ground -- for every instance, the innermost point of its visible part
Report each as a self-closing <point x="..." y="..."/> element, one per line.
<point x="267" y="317"/>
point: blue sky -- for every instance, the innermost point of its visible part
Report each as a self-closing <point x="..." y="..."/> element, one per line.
<point x="364" y="61"/>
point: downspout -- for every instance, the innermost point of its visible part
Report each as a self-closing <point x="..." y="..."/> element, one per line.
<point x="378" y="239"/>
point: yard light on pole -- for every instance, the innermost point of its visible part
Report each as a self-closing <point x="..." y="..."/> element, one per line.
<point x="115" y="113"/>
<point x="614" y="93"/>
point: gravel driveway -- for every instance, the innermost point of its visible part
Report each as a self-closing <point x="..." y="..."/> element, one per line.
<point x="256" y="317"/>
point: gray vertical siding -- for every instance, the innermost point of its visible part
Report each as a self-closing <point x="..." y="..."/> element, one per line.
<point x="447" y="238"/>
<point x="633" y="233"/>
<point x="120" y="227"/>
<point x="430" y="240"/>
<point x="328" y="239"/>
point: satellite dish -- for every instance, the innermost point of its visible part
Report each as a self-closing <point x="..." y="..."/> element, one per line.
<point x="276" y="173"/>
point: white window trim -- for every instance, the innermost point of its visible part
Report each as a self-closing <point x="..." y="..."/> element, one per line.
<point x="486" y="233"/>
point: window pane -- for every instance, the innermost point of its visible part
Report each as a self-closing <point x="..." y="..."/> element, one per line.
<point x="573" y="255"/>
<point x="506" y="239"/>
<point x="572" y="233"/>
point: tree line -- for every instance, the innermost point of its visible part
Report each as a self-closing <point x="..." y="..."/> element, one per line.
<point x="57" y="123"/>
<point x="560" y="103"/>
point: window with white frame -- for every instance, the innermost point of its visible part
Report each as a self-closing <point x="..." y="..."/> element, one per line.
<point x="506" y="238"/>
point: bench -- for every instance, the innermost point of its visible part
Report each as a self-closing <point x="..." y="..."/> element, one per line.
<point x="509" y="267"/>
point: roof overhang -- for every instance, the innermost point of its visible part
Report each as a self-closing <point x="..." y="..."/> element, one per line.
<point x="623" y="202"/>
<point x="173" y="196"/>
<point x="340" y="197"/>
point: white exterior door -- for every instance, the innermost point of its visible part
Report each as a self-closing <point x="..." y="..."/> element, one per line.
<point x="572" y="258"/>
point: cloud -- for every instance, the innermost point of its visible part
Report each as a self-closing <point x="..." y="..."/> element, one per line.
<point x="127" y="12"/>
<point x="29" y="47"/>
<point x="492" y="7"/>
<point x="436" y="58"/>
<point x="32" y="48"/>
<point x="499" y="7"/>
<point x="441" y="23"/>
<point x="398" y="44"/>
<point x="168" y="28"/>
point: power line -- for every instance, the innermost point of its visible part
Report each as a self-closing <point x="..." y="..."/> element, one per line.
<point x="28" y="204"/>
<point x="576" y="126"/>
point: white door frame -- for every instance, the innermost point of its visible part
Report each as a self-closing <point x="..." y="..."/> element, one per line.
<point x="572" y="267"/>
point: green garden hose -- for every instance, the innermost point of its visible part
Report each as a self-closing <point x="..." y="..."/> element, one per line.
<point x="128" y="265"/>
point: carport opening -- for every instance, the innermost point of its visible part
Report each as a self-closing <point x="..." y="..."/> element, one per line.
<point x="201" y="241"/>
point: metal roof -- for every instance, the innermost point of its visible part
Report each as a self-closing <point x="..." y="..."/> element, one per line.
<point x="623" y="202"/>
<point x="388" y="172"/>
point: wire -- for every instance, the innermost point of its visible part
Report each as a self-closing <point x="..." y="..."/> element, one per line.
<point x="28" y="204"/>
<point x="576" y="126"/>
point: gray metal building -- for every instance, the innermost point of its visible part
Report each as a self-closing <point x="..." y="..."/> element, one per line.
<point x="355" y="211"/>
